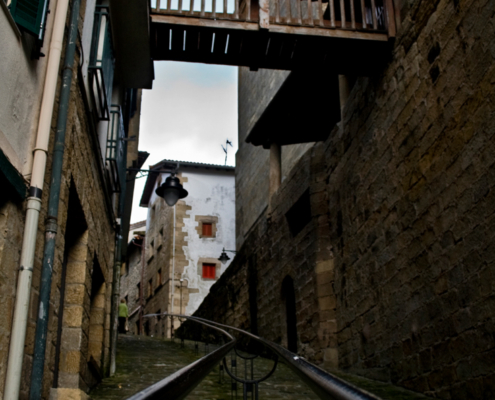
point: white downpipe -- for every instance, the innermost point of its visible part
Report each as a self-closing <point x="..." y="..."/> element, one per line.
<point x="173" y="274"/>
<point x="18" y="334"/>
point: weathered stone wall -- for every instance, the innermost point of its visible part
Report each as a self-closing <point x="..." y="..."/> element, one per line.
<point x="81" y="175"/>
<point x="129" y="281"/>
<point x="249" y="294"/>
<point x="158" y="257"/>
<point x="409" y="223"/>
<point x="86" y="313"/>
<point x="11" y="230"/>
<point x="411" y="204"/>
<point x="252" y="180"/>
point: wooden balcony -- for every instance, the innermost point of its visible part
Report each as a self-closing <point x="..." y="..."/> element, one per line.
<point x="345" y="36"/>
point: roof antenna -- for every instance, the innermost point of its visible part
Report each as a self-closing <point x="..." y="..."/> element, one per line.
<point x="227" y="143"/>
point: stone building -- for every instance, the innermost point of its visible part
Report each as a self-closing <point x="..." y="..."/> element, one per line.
<point x="130" y="281"/>
<point x="201" y="225"/>
<point x="371" y="250"/>
<point x="70" y="98"/>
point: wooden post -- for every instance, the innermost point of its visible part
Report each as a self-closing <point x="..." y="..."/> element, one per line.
<point x="264" y="14"/>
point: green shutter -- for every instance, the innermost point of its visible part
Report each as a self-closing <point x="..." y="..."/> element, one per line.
<point x="30" y="14"/>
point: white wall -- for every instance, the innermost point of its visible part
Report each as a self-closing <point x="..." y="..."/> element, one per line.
<point x="213" y="194"/>
<point x="21" y="85"/>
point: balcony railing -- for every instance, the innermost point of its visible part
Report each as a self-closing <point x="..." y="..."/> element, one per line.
<point x="101" y="63"/>
<point x="115" y="156"/>
<point x="351" y="15"/>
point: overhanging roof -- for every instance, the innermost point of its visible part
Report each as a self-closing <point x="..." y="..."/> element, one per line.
<point x="168" y="166"/>
<point x="304" y="110"/>
<point x="131" y="36"/>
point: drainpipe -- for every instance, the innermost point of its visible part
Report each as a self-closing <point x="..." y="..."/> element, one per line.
<point x="23" y="292"/>
<point x="141" y="287"/>
<point x="53" y="205"/>
<point x="173" y="281"/>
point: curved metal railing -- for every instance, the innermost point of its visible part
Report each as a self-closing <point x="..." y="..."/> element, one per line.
<point x="181" y="383"/>
<point x="324" y="384"/>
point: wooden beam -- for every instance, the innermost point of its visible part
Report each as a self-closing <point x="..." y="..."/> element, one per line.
<point x="202" y="22"/>
<point x="252" y="26"/>
<point x="334" y="33"/>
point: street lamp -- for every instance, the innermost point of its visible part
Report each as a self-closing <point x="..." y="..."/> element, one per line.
<point x="224" y="257"/>
<point x="171" y="190"/>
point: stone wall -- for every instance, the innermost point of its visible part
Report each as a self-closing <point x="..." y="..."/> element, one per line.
<point x="250" y="293"/>
<point x="252" y="180"/>
<point x="82" y="194"/>
<point x="411" y="206"/>
<point x="11" y="231"/>
<point x="129" y="281"/>
<point x="159" y="247"/>
<point x="405" y="223"/>
<point x="79" y="315"/>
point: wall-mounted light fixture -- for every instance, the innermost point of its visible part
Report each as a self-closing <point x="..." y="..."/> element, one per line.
<point x="224" y="257"/>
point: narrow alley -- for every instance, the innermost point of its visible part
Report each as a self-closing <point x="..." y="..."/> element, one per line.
<point x="142" y="361"/>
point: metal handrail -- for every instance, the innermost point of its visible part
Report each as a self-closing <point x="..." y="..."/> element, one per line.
<point x="181" y="383"/>
<point x="321" y="382"/>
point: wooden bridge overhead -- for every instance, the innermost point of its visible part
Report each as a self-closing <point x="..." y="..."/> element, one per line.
<point x="345" y="36"/>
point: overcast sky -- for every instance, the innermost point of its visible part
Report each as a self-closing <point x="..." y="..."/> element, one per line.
<point x="187" y="116"/>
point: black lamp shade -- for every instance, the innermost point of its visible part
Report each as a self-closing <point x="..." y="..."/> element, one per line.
<point x="223" y="257"/>
<point x="171" y="190"/>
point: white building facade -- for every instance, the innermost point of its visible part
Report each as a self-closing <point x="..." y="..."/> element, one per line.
<point x="184" y="242"/>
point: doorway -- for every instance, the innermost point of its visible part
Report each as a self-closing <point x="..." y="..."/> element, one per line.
<point x="289" y="301"/>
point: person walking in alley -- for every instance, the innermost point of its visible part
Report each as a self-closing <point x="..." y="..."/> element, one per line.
<point x="123" y="315"/>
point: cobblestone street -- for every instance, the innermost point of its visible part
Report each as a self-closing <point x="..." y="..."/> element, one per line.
<point x="142" y="361"/>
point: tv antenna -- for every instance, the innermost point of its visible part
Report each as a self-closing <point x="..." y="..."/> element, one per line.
<point x="227" y="143"/>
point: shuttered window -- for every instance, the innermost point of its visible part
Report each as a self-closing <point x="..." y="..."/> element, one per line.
<point x="209" y="271"/>
<point x="30" y="15"/>
<point x="207" y="229"/>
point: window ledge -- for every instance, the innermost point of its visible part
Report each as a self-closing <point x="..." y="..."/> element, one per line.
<point x="11" y="20"/>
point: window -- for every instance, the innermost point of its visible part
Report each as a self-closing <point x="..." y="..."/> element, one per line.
<point x="207" y="229"/>
<point x="101" y="64"/>
<point x="115" y="152"/>
<point x="207" y="226"/>
<point x="30" y="15"/>
<point x="138" y="291"/>
<point x="150" y="287"/>
<point x="299" y="214"/>
<point x="209" y="271"/>
<point x="160" y="240"/>
<point x="159" y="278"/>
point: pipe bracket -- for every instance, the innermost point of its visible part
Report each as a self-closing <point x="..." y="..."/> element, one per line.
<point x="35" y="192"/>
<point x="40" y="149"/>
<point x="51" y="225"/>
<point x="22" y="268"/>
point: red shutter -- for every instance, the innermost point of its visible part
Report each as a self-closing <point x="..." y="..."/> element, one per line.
<point x="207" y="229"/>
<point x="209" y="271"/>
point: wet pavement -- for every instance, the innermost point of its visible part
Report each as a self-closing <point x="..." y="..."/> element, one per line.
<point x="143" y="361"/>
